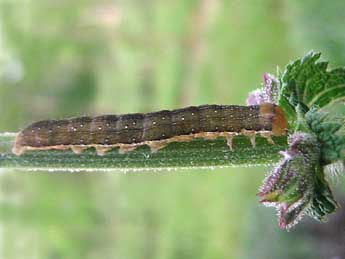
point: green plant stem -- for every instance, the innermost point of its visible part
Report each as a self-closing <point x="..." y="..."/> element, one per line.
<point x="198" y="153"/>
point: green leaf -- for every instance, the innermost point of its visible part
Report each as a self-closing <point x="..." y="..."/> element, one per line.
<point x="309" y="83"/>
<point x="328" y="134"/>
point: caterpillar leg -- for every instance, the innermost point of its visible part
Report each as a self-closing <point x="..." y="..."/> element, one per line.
<point x="267" y="135"/>
<point x="229" y="137"/>
<point x="156" y="145"/>
<point x="251" y="134"/>
<point x="78" y="149"/>
<point x="102" y="150"/>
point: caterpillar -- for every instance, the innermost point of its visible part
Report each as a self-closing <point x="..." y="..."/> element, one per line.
<point x="156" y="129"/>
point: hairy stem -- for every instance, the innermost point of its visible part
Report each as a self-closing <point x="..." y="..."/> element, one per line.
<point x="198" y="153"/>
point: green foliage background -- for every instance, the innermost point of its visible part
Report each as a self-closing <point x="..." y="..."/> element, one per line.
<point x="68" y="58"/>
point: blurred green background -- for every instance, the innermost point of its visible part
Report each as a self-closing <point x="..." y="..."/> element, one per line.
<point x="68" y="58"/>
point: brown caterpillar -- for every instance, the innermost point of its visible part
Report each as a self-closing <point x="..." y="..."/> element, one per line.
<point x="155" y="129"/>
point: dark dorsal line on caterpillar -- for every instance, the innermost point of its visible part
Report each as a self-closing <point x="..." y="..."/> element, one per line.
<point x="156" y="129"/>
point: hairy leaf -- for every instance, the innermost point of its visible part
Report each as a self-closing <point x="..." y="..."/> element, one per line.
<point x="308" y="83"/>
